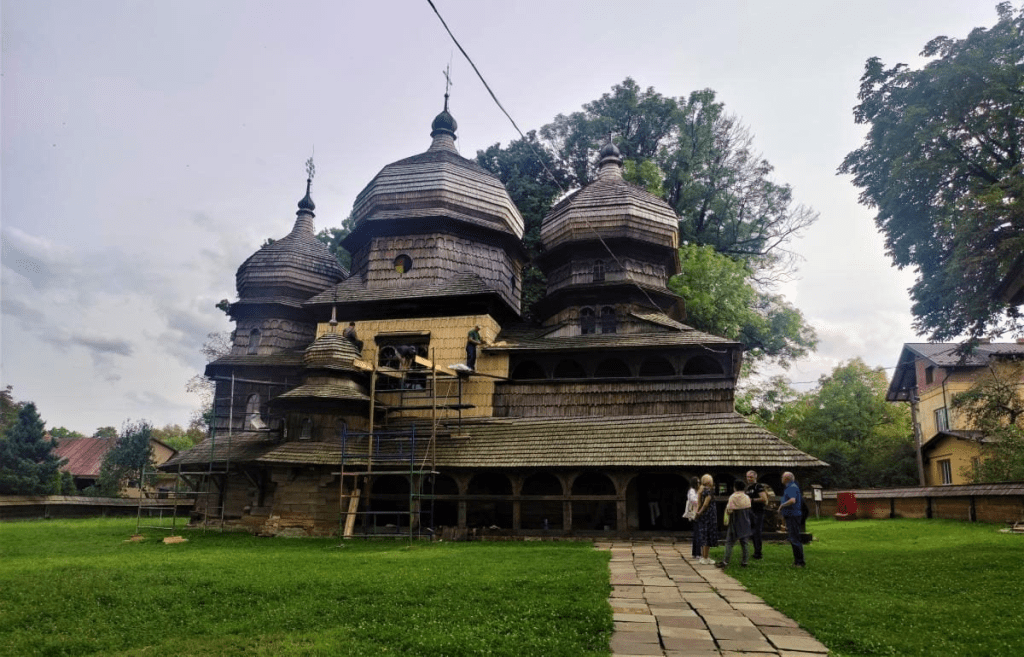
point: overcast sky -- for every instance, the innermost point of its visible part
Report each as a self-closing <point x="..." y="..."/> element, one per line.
<point x="148" y="148"/>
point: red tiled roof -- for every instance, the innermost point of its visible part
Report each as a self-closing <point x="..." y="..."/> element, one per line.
<point x="84" y="455"/>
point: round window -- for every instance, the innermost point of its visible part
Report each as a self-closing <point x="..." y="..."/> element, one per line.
<point x="403" y="263"/>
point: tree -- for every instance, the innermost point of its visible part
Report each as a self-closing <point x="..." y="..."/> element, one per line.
<point x="179" y="438"/>
<point x="105" y="432"/>
<point x="332" y="238"/>
<point x="994" y="404"/>
<point x="942" y="165"/>
<point x="28" y="465"/>
<point x="701" y="161"/>
<point x="217" y="344"/>
<point x="8" y="409"/>
<point x="846" y="422"/>
<point x="711" y="176"/>
<point x="533" y="180"/>
<point x="125" y="461"/>
<point x="721" y="300"/>
<point x="64" y="432"/>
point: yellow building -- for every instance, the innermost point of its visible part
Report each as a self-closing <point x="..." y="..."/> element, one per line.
<point x="928" y="376"/>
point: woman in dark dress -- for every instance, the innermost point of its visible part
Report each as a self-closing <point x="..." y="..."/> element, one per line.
<point x="707" y="519"/>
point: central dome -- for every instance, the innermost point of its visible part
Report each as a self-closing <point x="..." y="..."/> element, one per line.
<point x="438" y="183"/>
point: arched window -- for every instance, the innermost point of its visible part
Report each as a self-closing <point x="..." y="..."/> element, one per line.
<point x="702" y="365"/>
<point x="569" y="369"/>
<point x="608" y="321"/>
<point x="588" y="322"/>
<point x="253" y="420"/>
<point x="528" y="369"/>
<point x="254" y="341"/>
<point x="656" y="366"/>
<point x="598" y="271"/>
<point x="612" y="367"/>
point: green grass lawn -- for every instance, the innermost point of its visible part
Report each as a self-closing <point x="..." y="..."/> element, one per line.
<point x="900" y="587"/>
<point x="77" y="588"/>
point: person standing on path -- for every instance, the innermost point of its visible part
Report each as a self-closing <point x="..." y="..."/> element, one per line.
<point x="692" y="503"/>
<point x="737" y="513"/>
<point x="791" y="513"/>
<point x="707" y="519"/>
<point x="758" y="495"/>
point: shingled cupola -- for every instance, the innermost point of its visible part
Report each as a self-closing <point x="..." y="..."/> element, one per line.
<point x="430" y="221"/>
<point x="273" y="282"/>
<point x="611" y="242"/>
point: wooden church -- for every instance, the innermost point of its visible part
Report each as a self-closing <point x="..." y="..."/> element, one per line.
<point x="347" y="404"/>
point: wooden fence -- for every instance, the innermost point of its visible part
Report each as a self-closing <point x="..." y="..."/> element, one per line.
<point x="971" y="502"/>
<point x="25" y="507"/>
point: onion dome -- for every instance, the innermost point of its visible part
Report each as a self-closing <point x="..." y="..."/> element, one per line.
<point x="295" y="267"/>
<point x="609" y="208"/>
<point x="438" y="184"/>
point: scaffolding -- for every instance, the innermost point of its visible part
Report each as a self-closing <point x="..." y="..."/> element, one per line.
<point x="394" y="450"/>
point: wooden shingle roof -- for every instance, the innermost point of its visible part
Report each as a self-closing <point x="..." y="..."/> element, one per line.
<point x="354" y="290"/>
<point x="535" y="340"/>
<point x="687" y="440"/>
<point x="241" y="447"/>
<point x="294" y="267"/>
<point x="442" y="183"/>
<point x="610" y="207"/>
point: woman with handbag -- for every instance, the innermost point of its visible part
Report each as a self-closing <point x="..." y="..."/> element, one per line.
<point x="707" y="519"/>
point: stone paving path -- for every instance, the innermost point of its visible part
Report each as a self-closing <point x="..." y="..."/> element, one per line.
<point x="664" y="603"/>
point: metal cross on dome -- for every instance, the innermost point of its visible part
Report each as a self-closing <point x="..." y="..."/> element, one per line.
<point x="447" y="84"/>
<point x="310" y="168"/>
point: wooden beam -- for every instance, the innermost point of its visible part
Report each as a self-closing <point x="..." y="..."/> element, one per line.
<point x="420" y="360"/>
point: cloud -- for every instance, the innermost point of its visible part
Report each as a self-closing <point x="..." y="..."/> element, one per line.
<point x="101" y="345"/>
<point x="30" y="257"/>
<point x="20" y="310"/>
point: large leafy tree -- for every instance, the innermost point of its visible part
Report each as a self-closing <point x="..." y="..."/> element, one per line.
<point x="721" y="300"/>
<point x="942" y="165"/>
<point x="126" y="460"/>
<point x="846" y="422"/>
<point x="28" y="465"/>
<point x="995" y="405"/>
<point x="701" y="161"/>
<point x="720" y="187"/>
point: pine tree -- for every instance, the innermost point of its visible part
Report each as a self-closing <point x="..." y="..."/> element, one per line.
<point x="28" y="464"/>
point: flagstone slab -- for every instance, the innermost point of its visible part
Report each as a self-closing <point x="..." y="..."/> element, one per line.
<point x="633" y="618"/>
<point x="681" y="621"/>
<point x="797" y="643"/>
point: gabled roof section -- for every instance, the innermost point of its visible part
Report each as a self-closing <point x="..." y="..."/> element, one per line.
<point x="945" y="355"/>
<point x="84" y="455"/>
<point x="241" y="447"/>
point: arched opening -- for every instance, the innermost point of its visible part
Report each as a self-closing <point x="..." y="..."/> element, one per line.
<point x="593" y="514"/>
<point x="528" y="369"/>
<point x="569" y="369"/>
<point x="656" y="366"/>
<point x="254" y="341"/>
<point x="541" y="513"/>
<point x="389" y="503"/>
<point x="440" y="508"/>
<point x="489" y="512"/>
<point x="699" y="365"/>
<point x="612" y="367"/>
<point x="403" y="263"/>
<point x="609" y="323"/>
<point x="661" y="501"/>
<point x="588" y="322"/>
<point x="253" y="417"/>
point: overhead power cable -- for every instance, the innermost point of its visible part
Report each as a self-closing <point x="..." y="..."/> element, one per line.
<point x="540" y="159"/>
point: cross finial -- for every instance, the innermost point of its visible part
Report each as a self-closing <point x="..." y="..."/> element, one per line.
<point x="310" y="168"/>
<point x="447" y="84"/>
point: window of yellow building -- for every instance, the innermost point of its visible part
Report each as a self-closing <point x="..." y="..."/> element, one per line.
<point x="947" y="472"/>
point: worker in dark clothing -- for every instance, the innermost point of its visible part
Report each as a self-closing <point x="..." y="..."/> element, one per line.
<point x="350" y="334"/>
<point x="472" y="340"/>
